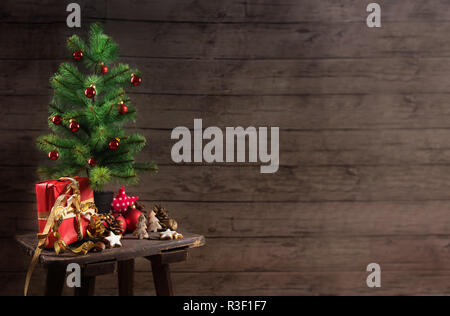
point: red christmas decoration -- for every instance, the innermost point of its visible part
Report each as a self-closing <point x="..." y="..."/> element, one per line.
<point x="123" y="109"/>
<point x="77" y="55"/>
<point x="114" y="144"/>
<point x="132" y="218"/>
<point x="122" y="201"/>
<point x="92" y="162"/>
<point x="74" y="126"/>
<point x="90" y="92"/>
<point x="56" y="119"/>
<point x="53" y="155"/>
<point x="103" y="69"/>
<point x="135" y="80"/>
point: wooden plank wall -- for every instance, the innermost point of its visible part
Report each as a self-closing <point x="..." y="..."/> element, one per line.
<point x="365" y="140"/>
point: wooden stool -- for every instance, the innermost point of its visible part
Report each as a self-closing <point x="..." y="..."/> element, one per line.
<point x="160" y="253"/>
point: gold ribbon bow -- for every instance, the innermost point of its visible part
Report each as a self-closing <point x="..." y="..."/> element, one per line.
<point x="64" y="207"/>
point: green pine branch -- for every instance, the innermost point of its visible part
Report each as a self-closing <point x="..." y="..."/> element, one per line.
<point x="117" y="74"/>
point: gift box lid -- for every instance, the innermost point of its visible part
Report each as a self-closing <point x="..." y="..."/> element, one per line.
<point x="48" y="191"/>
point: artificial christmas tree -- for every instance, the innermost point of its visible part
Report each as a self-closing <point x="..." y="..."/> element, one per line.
<point x="87" y="116"/>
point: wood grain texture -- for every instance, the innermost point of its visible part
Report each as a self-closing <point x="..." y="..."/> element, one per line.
<point x="259" y="77"/>
<point x="266" y="254"/>
<point x="187" y="40"/>
<point x="281" y="219"/>
<point x="299" y="184"/>
<point x="257" y="283"/>
<point x="225" y="11"/>
<point x="299" y="148"/>
<point x="299" y="112"/>
<point x="364" y="141"/>
<point x="300" y="283"/>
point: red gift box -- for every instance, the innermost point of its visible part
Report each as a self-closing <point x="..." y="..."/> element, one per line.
<point x="46" y="194"/>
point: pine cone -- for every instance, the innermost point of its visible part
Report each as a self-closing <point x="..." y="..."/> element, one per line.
<point x="163" y="216"/>
<point x="169" y="224"/>
<point x="140" y="206"/>
<point x="161" y="212"/>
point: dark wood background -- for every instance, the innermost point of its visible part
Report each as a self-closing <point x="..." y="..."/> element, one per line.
<point x="364" y="143"/>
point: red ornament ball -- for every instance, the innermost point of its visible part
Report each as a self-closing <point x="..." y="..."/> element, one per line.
<point x="74" y="126"/>
<point x="92" y="162"/>
<point x="103" y="69"/>
<point x="132" y="218"/>
<point x="90" y="92"/>
<point x="53" y="155"/>
<point x="56" y="119"/>
<point x="135" y="80"/>
<point x="114" y="144"/>
<point x="77" y="55"/>
<point x="123" y="108"/>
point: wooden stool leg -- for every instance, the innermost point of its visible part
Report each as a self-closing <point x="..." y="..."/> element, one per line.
<point x="56" y="275"/>
<point x="161" y="269"/>
<point x="87" y="285"/>
<point x="125" y="271"/>
<point x="161" y="277"/>
<point x="88" y="275"/>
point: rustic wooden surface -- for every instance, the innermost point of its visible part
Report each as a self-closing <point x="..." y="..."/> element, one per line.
<point x="365" y="146"/>
<point x="132" y="247"/>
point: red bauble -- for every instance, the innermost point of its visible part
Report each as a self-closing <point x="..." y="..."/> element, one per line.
<point x="123" y="108"/>
<point x="103" y="69"/>
<point x="90" y="92"/>
<point x="56" y="119"/>
<point x="53" y="155"/>
<point x="77" y="55"/>
<point x="92" y="162"/>
<point x="114" y="144"/>
<point x="135" y="80"/>
<point x="122" y="221"/>
<point x="132" y="218"/>
<point x="74" y="126"/>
